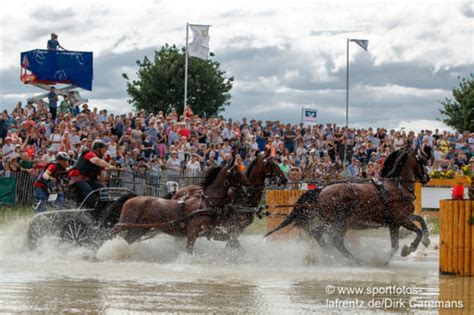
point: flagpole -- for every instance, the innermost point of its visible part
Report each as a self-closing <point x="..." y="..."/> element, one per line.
<point x="347" y="104"/>
<point x="186" y="72"/>
<point x="347" y="85"/>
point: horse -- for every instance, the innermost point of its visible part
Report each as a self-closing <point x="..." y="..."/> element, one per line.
<point x="241" y="213"/>
<point x="189" y="217"/>
<point x="384" y="202"/>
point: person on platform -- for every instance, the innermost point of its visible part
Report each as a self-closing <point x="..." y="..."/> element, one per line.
<point x="53" y="43"/>
<point x="51" y="173"/>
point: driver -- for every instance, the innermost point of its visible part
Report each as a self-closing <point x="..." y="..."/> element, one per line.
<point x="86" y="172"/>
<point x="51" y="173"/>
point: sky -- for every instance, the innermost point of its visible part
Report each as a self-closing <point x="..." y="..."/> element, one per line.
<point x="283" y="54"/>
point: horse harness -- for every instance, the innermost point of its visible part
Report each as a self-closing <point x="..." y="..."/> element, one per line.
<point x="384" y="195"/>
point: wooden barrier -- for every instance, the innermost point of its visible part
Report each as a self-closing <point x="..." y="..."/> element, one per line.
<point x="282" y="197"/>
<point x="456" y="236"/>
<point x="456" y="289"/>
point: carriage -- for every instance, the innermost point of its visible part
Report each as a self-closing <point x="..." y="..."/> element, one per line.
<point x="78" y="225"/>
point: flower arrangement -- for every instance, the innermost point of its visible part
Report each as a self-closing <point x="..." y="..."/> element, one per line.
<point x="449" y="174"/>
<point x="467" y="171"/>
<point x="442" y="174"/>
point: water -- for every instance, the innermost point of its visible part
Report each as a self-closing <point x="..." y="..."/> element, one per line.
<point x="269" y="277"/>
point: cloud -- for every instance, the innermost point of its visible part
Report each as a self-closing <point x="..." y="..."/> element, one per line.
<point x="282" y="57"/>
<point x="332" y="32"/>
<point x="467" y="9"/>
<point x="42" y="14"/>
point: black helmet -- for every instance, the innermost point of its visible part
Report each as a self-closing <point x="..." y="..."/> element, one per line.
<point x="62" y="156"/>
<point x="99" y="144"/>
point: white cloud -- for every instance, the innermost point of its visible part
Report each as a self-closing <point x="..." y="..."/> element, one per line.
<point x="304" y="46"/>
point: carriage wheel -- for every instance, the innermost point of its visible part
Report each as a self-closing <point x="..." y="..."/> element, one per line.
<point x="39" y="227"/>
<point x="77" y="231"/>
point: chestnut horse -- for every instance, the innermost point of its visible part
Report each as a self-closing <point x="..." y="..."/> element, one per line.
<point x="189" y="217"/>
<point x="241" y="213"/>
<point x="384" y="202"/>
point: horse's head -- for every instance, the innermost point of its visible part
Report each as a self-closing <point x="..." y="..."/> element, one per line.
<point x="405" y="164"/>
<point x="264" y="168"/>
<point x="234" y="178"/>
<point x="274" y="173"/>
<point x="420" y="171"/>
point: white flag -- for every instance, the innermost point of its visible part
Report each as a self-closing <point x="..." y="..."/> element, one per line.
<point x="199" y="47"/>
<point x="363" y="43"/>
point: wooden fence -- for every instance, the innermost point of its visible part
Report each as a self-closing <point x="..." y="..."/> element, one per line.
<point x="456" y="237"/>
<point x="274" y="198"/>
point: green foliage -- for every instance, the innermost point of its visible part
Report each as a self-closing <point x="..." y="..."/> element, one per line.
<point x="460" y="111"/>
<point x="160" y="84"/>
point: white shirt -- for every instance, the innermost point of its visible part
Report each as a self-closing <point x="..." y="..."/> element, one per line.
<point x="398" y="143"/>
<point x="8" y="151"/>
<point x="173" y="166"/>
<point x="227" y="149"/>
<point x="226" y="133"/>
<point x="192" y="168"/>
<point x="74" y="139"/>
<point x="56" y="141"/>
<point x="112" y="150"/>
<point x="437" y="155"/>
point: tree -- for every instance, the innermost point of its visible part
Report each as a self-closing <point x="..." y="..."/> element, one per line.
<point x="460" y="111"/>
<point x="160" y="84"/>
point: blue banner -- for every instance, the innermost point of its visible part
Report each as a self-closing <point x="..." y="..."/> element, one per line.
<point x="71" y="67"/>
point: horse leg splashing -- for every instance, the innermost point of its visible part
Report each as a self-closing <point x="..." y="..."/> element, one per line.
<point x="425" y="240"/>
<point x="194" y="229"/>
<point x="409" y="225"/>
<point x="421" y="233"/>
<point x="394" y="238"/>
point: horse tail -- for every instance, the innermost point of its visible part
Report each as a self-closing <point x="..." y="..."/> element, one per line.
<point x="299" y="215"/>
<point x="111" y="215"/>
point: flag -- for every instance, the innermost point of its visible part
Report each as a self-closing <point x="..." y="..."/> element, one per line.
<point x="363" y="43"/>
<point x="310" y="115"/>
<point x="199" y="47"/>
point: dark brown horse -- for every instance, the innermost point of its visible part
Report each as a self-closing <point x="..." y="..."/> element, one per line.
<point x="387" y="202"/>
<point x="189" y="217"/>
<point x="241" y="213"/>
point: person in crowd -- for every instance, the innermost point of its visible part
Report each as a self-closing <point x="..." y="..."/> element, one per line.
<point x="173" y="165"/>
<point x="142" y="138"/>
<point x="8" y="149"/>
<point x="53" y="102"/>
<point x="285" y="166"/>
<point x="193" y="166"/>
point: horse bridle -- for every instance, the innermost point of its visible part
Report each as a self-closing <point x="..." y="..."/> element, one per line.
<point x="228" y="183"/>
<point x="268" y="173"/>
<point x="405" y="183"/>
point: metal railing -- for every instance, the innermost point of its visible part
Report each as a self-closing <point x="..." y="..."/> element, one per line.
<point x="151" y="183"/>
<point x="24" y="190"/>
<point x="143" y="183"/>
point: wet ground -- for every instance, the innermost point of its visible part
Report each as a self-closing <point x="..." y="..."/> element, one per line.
<point x="265" y="277"/>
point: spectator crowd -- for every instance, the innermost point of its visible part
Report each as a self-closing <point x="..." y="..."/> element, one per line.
<point x="32" y="134"/>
